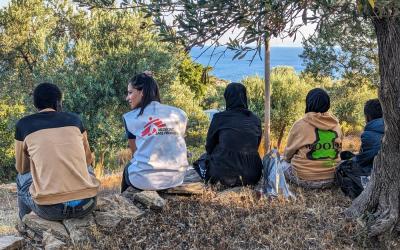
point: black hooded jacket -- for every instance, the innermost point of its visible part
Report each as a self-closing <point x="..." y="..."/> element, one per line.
<point x="232" y="141"/>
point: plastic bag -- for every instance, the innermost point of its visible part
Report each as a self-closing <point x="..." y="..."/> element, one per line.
<point x="274" y="178"/>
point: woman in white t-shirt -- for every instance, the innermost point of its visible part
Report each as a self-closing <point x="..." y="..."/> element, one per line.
<point x="156" y="137"/>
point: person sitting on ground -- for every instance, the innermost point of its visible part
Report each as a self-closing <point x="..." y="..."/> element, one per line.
<point x="371" y="138"/>
<point x="52" y="158"/>
<point x="156" y="138"/>
<point x="314" y="144"/>
<point x="232" y="143"/>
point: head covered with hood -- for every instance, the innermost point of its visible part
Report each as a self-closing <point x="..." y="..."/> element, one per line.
<point x="236" y="97"/>
<point x="317" y="101"/>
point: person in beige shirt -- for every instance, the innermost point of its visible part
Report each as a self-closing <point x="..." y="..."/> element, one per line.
<point x="314" y="144"/>
<point x="52" y="158"/>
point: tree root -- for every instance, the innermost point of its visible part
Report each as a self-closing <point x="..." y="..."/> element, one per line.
<point x="384" y="219"/>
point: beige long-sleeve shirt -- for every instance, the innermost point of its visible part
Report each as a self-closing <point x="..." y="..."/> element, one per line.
<point x="53" y="146"/>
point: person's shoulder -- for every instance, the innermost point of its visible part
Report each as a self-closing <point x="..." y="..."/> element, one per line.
<point x="25" y="119"/>
<point x="300" y="122"/>
<point x="131" y="114"/>
<point x="254" y="116"/>
<point x="70" y="115"/>
<point x="172" y="109"/>
<point x="69" y="118"/>
<point x="219" y="115"/>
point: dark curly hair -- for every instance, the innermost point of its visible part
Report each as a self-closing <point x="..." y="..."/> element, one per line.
<point x="47" y="95"/>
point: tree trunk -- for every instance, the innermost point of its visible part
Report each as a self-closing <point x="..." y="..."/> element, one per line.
<point x="280" y="137"/>
<point x="381" y="196"/>
<point x="267" y="100"/>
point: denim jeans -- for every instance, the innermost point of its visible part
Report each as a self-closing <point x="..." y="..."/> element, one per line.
<point x="55" y="212"/>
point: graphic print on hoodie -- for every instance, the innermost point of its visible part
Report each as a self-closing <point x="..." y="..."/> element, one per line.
<point x="324" y="146"/>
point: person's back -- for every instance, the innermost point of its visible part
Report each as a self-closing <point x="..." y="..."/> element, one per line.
<point x="160" y="160"/>
<point x="52" y="159"/>
<point x="371" y="138"/>
<point x="314" y="144"/>
<point x="156" y="138"/>
<point x="352" y="174"/>
<point x="57" y="161"/>
<point x="232" y="141"/>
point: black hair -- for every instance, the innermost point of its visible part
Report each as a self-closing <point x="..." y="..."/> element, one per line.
<point x="150" y="89"/>
<point x="318" y="101"/>
<point x="373" y="109"/>
<point x="47" y="95"/>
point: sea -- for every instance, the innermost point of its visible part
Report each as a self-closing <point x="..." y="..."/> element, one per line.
<point x="235" y="70"/>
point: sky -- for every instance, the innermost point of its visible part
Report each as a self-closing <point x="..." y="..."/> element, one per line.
<point x="305" y="31"/>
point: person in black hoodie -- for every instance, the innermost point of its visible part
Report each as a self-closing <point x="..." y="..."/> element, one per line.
<point x="232" y="143"/>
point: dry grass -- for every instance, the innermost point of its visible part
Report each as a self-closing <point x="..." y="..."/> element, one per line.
<point x="233" y="221"/>
<point x="351" y="143"/>
<point x="110" y="182"/>
<point x="8" y="209"/>
<point x="243" y="221"/>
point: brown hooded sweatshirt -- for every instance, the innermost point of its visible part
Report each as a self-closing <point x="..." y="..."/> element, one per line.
<point x="313" y="146"/>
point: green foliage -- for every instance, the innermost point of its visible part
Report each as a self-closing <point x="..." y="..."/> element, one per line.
<point x="347" y="104"/>
<point x="215" y="95"/>
<point x="255" y="88"/>
<point x="180" y="95"/>
<point x="194" y="75"/>
<point x="287" y="99"/>
<point x="91" y="56"/>
<point x="344" y="46"/>
<point x="9" y="114"/>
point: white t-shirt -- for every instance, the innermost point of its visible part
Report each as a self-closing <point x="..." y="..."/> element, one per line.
<point x="160" y="160"/>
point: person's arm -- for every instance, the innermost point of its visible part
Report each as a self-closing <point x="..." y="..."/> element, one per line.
<point x="368" y="150"/>
<point x="132" y="145"/>
<point x="22" y="161"/>
<point x="293" y="142"/>
<point x="131" y="139"/>
<point x="260" y="136"/>
<point x="212" y="136"/>
<point x="88" y="153"/>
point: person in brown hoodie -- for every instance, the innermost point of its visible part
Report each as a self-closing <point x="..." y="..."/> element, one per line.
<point x="314" y="144"/>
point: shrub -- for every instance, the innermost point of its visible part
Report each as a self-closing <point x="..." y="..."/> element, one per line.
<point x="180" y="95"/>
<point x="287" y="99"/>
<point x="9" y="114"/>
<point x="347" y="104"/>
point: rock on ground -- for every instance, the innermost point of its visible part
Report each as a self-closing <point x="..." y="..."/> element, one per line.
<point x="150" y="199"/>
<point x="50" y="242"/>
<point x="11" y="242"/>
<point x="119" y="206"/>
<point x="187" y="189"/>
<point x="107" y="219"/>
<point x="39" y="225"/>
<point x="79" y="229"/>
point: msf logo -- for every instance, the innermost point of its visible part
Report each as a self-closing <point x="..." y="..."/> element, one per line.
<point x="152" y="127"/>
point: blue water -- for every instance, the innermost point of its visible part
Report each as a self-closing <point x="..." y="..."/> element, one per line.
<point x="236" y="70"/>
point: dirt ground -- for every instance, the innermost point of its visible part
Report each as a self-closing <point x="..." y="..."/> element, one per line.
<point x="243" y="221"/>
<point x="232" y="221"/>
<point x="8" y="209"/>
